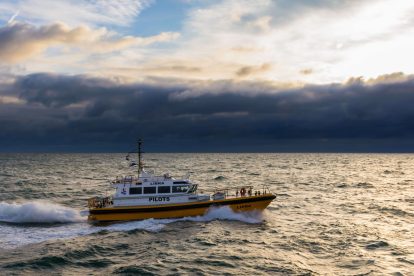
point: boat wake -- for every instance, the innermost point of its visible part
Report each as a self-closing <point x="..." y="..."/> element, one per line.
<point x="25" y="223"/>
<point x="226" y="213"/>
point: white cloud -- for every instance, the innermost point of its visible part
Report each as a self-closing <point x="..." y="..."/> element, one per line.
<point x="280" y="41"/>
<point x="74" y="12"/>
<point x="333" y="39"/>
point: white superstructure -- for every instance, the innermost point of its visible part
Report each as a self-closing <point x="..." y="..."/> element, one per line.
<point x="148" y="189"/>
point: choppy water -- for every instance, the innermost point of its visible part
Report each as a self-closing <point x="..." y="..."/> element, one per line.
<point x="336" y="214"/>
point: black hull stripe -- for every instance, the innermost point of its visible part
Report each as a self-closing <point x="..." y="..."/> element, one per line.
<point x="180" y="207"/>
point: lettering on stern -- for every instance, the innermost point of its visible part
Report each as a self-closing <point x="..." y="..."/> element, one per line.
<point x="244" y="206"/>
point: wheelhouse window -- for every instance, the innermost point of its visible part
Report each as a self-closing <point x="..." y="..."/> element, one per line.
<point x="193" y="188"/>
<point x="150" y="190"/>
<point x="164" y="189"/>
<point x="179" y="189"/>
<point x="180" y="182"/>
<point x="135" y="191"/>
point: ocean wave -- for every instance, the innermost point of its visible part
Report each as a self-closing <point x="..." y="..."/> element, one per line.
<point x="364" y="185"/>
<point x="376" y="245"/>
<point x="38" y="212"/>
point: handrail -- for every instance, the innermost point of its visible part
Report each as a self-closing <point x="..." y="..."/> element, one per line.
<point x="100" y="202"/>
<point x="249" y="190"/>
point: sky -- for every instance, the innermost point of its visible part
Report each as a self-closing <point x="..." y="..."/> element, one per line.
<point x="207" y="75"/>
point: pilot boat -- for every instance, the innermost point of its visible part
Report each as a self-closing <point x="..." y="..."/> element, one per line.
<point x="147" y="195"/>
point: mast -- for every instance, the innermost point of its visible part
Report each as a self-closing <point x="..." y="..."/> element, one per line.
<point x="140" y="166"/>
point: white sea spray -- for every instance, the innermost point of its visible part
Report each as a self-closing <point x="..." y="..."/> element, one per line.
<point x="38" y="212"/>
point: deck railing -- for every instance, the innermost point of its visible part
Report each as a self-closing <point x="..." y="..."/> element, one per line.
<point x="242" y="191"/>
<point x="100" y="202"/>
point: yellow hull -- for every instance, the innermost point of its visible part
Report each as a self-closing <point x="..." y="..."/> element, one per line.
<point x="240" y="204"/>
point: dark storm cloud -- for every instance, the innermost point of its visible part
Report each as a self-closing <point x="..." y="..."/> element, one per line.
<point x="78" y="110"/>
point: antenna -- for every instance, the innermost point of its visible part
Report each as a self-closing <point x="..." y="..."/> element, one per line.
<point x="140" y="165"/>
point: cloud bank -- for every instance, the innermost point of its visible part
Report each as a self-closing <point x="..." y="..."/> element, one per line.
<point x="80" y="110"/>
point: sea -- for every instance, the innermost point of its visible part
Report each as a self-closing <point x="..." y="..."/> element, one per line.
<point x="335" y="214"/>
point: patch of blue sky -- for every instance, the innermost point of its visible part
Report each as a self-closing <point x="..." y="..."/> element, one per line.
<point x="161" y="16"/>
<point x="165" y="16"/>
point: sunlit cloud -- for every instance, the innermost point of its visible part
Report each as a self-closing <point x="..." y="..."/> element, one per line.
<point x="19" y="41"/>
<point x="280" y="41"/>
<point x="249" y="70"/>
<point x="333" y="41"/>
